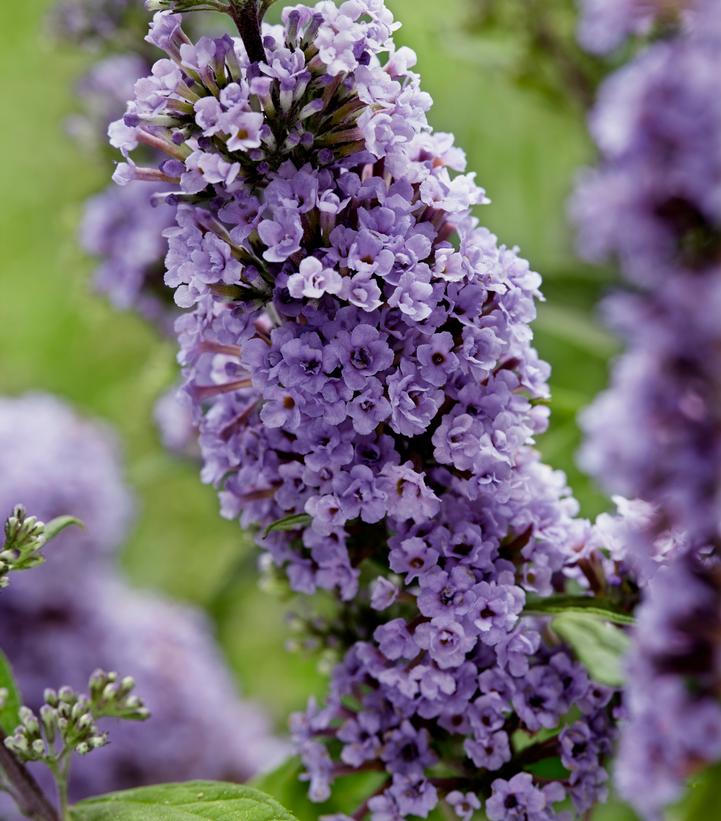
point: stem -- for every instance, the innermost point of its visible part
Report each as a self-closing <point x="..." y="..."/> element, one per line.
<point x="31" y="800"/>
<point x="247" y="18"/>
<point x="62" y="779"/>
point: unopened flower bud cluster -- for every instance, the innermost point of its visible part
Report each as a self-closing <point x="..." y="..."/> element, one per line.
<point x="67" y="721"/>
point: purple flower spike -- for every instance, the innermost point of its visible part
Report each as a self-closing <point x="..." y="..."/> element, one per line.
<point x="358" y="357"/>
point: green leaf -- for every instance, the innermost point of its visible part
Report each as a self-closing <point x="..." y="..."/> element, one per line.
<point x="702" y="798"/>
<point x="9" y="711"/>
<point x="292" y="522"/>
<point x="191" y="801"/>
<point x="349" y="791"/>
<point x="284" y="782"/>
<point x="599" y="646"/>
<point x="56" y="526"/>
<point x="589" y="605"/>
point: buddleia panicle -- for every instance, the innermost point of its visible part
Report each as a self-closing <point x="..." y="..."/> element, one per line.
<point x="358" y="355"/>
<point x="606" y="24"/>
<point x="652" y="206"/>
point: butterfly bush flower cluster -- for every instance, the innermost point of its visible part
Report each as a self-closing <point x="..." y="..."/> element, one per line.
<point x="74" y="612"/>
<point x="358" y="353"/>
<point x="606" y="24"/>
<point x="55" y="462"/>
<point x="653" y="204"/>
<point x="675" y="718"/>
<point x="123" y="228"/>
<point x="94" y="22"/>
<point x="199" y="727"/>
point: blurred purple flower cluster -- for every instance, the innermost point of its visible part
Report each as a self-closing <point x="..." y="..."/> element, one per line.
<point x="55" y="463"/>
<point x="93" y="22"/>
<point x="123" y="228"/>
<point x="674" y="677"/>
<point x="654" y="204"/>
<point x="359" y="357"/>
<point x="73" y="613"/>
<point x="606" y="24"/>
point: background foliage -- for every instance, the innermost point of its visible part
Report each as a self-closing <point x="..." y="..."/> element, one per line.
<point x="56" y="335"/>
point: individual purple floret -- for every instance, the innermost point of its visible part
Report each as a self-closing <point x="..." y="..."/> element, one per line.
<point x="674" y="723"/>
<point x="520" y="798"/>
<point x="605" y="24"/>
<point x="358" y="353"/>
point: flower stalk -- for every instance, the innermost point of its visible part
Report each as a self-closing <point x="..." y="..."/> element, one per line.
<point x="24" y="789"/>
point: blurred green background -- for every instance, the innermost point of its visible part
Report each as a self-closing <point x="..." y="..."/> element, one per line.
<point x="55" y="335"/>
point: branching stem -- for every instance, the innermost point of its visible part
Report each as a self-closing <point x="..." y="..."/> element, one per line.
<point x="30" y="798"/>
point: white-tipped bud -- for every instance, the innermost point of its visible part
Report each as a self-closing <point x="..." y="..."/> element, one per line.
<point x="29" y="721"/>
<point x="85" y="722"/>
<point x="127" y="685"/>
<point x="49" y="718"/>
<point x="17" y="743"/>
